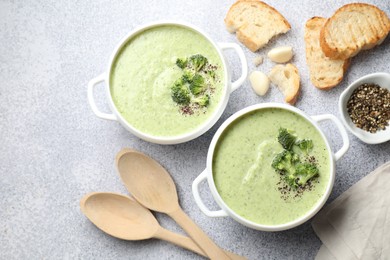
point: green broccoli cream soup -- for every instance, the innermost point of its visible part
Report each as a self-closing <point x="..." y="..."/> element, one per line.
<point x="167" y="80"/>
<point x="271" y="166"/>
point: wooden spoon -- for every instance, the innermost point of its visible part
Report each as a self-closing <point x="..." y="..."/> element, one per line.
<point x="124" y="218"/>
<point x="152" y="186"/>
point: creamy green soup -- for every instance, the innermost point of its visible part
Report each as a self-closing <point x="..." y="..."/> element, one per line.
<point x="144" y="71"/>
<point x="243" y="174"/>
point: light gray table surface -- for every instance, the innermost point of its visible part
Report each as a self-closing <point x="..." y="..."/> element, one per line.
<point x="53" y="149"/>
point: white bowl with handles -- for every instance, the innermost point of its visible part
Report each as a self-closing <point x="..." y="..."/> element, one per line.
<point x="206" y="125"/>
<point x="207" y="174"/>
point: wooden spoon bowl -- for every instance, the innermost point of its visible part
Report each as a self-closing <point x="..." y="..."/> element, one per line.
<point x="120" y="216"/>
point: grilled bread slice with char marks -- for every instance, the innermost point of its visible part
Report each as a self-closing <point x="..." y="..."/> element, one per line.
<point x="352" y="28"/>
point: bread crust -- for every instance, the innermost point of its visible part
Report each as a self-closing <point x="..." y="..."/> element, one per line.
<point x="325" y="73"/>
<point x="334" y="50"/>
<point x="247" y="41"/>
<point x="289" y="84"/>
<point x="292" y="98"/>
<point x="247" y="30"/>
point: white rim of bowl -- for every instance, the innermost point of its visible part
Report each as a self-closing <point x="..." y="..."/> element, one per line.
<point x="234" y="215"/>
<point x="202" y="128"/>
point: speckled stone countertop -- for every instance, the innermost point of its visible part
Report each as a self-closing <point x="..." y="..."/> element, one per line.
<point x="53" y="149"/>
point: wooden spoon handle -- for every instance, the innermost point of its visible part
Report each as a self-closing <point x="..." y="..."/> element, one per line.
<point x="197" y="234"/>
<point x="187" y="243"/>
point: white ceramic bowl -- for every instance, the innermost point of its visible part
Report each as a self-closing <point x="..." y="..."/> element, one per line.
<point x="228" y="88"/>
<point x="381" y="79"/>
<point x="207" y="174"/>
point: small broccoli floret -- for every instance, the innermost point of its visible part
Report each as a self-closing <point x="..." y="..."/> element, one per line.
<point x="197" y="84"/>
<point x="284" y="161"/>
<point x="305" y="172"/>
<point x="188" y="76"/>
<point x="305" y="145"/>
<point x="291" y="180"/>
<point x="286" y="138"/>
<point x="295" y="173"/>
<point x="202" y="101"/>
<point x="211" y="74"/>
<point x="181" y="63"/>
<point x="198" y="61"/>
<point x="180" y="93"/>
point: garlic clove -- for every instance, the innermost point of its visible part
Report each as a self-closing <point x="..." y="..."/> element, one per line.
<point x="280" y="54"/>
<point x="259" y="82"/>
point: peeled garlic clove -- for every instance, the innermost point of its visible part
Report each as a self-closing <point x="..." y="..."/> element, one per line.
<point x="281" y="54"/>
<point x="260" y="82"/>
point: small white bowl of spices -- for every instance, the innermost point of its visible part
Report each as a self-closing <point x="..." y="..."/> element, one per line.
<point x="365" y="108"/>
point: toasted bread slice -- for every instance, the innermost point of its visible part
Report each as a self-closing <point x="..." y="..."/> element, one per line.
<point x="255" y="23"/>
<point x="352" y="28"/>
<point x="325" y="73"/>
<point x="286" y="78"/>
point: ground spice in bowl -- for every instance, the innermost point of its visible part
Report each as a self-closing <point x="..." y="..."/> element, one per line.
<point x="369" y="107"/>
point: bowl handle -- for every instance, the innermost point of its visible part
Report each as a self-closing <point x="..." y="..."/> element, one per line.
<point x="198" y="200"/>
<point x="244" y="64"/>
<point x="342" y="130"/>
<point x="91" y="84"/>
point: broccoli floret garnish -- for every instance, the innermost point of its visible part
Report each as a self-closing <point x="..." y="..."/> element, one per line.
<point x="305" y="145"/>
<point x="304" y="172"/>
<point x="187" y="76"/>
<point x="193" y="90"/>
<point x="197" y="84"/>
<point x="295" y="173"/>
<point x="288" y="163"/>
<point x="180" y="93"/>
<point x="181" y="63"/>
<point x="285" y="161"/>
<point x="286" y="138"/>
<point x="198" y="61"/>
<point x="291" y="180"/>
<point x="202" y="101"/>
<point x="212" y="74"/>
